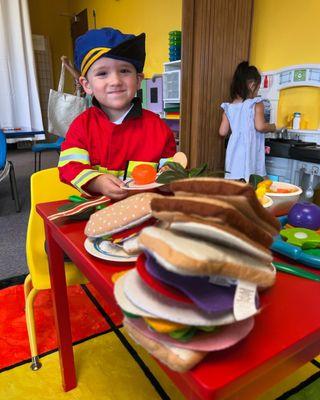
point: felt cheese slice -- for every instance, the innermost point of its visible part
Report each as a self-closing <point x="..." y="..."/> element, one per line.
<point x="212" y="211"/>
<point x="124" y="214"/>
<point x="224" y="337"/>
<point x="189" y="256"/>
<point x="220" y="235"/>
<point x="163" y="326"/>
<point x="162" y="307"/>
<point x="177" y="359"/>
<point x="223" y="187"/>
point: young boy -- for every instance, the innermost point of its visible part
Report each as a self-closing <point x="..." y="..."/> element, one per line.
<point x="115" y="130"/>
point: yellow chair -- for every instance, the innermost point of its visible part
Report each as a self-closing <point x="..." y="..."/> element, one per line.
<point x="45" y="186"/>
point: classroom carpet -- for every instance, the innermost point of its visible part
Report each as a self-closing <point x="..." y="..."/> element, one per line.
<point x="105" y="369"/>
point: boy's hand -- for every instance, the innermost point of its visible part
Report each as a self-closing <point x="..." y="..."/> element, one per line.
<point x="109" y="186"/>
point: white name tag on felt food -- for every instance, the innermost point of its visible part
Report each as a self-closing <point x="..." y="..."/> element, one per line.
<point x="244" y="302"/>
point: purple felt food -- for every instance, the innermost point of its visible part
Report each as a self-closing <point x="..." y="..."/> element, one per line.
<point x="208" y="297"/>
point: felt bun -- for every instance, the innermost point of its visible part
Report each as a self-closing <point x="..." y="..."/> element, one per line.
<point x="124" y="214"/>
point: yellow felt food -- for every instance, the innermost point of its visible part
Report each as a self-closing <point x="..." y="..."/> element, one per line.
<point x="260" y="192"/>
<point x="117" y="275"/>
<point x="266" y="183"/>
<point x="163" y="326"/>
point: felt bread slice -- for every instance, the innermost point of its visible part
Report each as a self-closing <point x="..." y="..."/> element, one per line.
<point x="124" y="214"/>
<point x="175" y="218"/>
<point x="223" y="235"/>
<point x="249" y="208"/>
<point x="175" y="358"/>
<point x="215" y="211"/>
<point x="209" y="187"/>
<point x="185" y="255"/>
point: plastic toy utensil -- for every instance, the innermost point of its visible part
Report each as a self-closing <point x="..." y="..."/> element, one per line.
<point x="293" y="270"/>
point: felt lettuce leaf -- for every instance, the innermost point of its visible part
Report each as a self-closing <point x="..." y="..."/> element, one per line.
<point x="254" y="180"/>
<point x="176" y="171"/>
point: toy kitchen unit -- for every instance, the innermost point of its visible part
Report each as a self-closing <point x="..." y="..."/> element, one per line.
<point x="294" y="156"/>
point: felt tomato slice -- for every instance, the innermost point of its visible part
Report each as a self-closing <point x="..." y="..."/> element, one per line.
<point x="282" y="190"/>
<point x="144" y="174"/>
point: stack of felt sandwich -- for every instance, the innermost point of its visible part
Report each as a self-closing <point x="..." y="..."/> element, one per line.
<point x="194" y="290"/>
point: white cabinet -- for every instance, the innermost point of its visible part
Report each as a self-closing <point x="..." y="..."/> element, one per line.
<point x="280" y="167"/>
<point x="171" y="97"/>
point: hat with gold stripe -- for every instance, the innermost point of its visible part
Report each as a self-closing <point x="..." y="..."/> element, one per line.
<point x="109" y="42"/>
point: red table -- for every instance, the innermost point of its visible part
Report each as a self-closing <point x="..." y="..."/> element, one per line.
<point x="286" y="333"/>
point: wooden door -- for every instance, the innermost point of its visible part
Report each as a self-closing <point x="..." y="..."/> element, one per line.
<point x="215" y="38"/>
<point x="79" y="25"/>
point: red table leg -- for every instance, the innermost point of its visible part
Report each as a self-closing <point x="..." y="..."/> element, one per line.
<point x="61" y="312"/>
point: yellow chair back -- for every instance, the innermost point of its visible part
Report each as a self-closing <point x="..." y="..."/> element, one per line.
<point x="45" y="186"/>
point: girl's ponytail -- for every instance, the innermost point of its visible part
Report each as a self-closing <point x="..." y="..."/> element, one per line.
<point x="239" y="85"/>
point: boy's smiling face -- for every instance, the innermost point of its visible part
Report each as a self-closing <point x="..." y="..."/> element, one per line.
<point x="113" y="83"/>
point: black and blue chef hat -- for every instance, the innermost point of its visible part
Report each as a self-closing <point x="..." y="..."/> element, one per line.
<point x="109" y="42"/>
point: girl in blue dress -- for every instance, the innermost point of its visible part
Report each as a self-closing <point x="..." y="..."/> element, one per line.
<point x="244" y="116"/>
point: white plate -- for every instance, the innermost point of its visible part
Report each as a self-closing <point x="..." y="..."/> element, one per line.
<point x="130" y="185"/>
<point x="105" y="252"/>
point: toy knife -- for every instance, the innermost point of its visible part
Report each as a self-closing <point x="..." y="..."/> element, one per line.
<point x="293" y="270"/>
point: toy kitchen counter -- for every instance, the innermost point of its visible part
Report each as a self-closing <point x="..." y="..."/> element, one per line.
<point x="295" y="149"/>
<point x="294" y="161"/>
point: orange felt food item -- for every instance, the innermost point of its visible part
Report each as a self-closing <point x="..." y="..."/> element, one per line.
<point x="282" y="190"/>
<point x="144" y="174"/>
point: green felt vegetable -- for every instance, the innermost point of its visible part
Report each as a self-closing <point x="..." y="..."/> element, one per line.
<point x="77" y="199"/>
<point x="207" y="328"/>
<point x="176" y="171"/>
<point x="254" y="180"/>
<point x="183" y="334"/>
<point x="128" y="314"/>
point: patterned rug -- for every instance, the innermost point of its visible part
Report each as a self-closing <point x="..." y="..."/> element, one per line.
<point x="105" y="369"/>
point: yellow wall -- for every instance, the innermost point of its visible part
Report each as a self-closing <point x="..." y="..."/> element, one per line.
<point x="285" y="33"/>
<point x="305" y="100"/>
<point x="155" y="18"/>
<point x="46" y="19"/>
